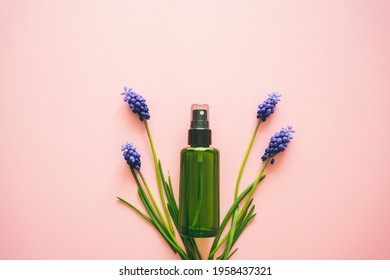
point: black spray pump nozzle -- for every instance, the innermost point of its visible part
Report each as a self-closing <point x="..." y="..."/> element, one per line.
<point x="199" y="133"/>
<point x="199" y="119"/>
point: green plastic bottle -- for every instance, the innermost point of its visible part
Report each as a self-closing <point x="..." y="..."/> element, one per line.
<point x="199" y="179"/>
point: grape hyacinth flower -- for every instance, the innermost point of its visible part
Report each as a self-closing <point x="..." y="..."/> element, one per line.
<point x="267" y="107"/>
<point x="137" y="103"/>
<point x="132" y="157"/>
<point x="278" y="143"/>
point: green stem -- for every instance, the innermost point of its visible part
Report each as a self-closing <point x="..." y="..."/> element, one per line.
<point x="241" y="213"/>
<point x="158" y="175"/>
<point x="196" y="249"/>
<point x="188" y="242"/>
<point x="220" y="244"/>
<point x="245" y="158"/>
<point x="172" y="241"/>
<point x="226" y="219"/>
<point x="164" y="231"/>
<point x="153" y="200"/>
<point x="229" y="243"/>
<point x="160" y="225"/>
<point x="232" y="253"/>
<point x="234" y="218"/>
<point x="247" y="202"/>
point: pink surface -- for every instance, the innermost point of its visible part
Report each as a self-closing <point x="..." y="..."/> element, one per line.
<point x="62" y="121"/>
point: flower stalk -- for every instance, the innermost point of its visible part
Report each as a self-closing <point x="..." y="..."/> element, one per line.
<point x="216" y="244"/>
<point x="245" y="158"/>
<point x="265" y="109"/>
<point x="152" y="198"/>
<point x="157" y="222"/>
<point x="158" y="175"/>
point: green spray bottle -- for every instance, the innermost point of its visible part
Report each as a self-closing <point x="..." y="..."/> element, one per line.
<point x="199" y="179"/>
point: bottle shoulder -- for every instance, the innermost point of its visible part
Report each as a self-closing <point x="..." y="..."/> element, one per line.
<point x="200" y="149"/>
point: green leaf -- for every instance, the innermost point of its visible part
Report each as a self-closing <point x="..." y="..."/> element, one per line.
<point x="188" y="242"/>
<point x="145" y="200"/>
<point x="239" y="229"/>
<point x="239" y="225"/>
<point x="227" y="217"/>
<point x="155" y="220"/>
<point x="170" y="185"/>
<point x="225" y="255"/>
<point x="135" y="208"/>
<point x="244" y="224"/>
<point x="232" y="253"/>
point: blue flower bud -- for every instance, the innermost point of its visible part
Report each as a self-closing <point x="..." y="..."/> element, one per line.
<point x="137" y="103"/>
<point x="132" y="157"/>
<point x="267" y="107"/>
<point x="278" y="143"/>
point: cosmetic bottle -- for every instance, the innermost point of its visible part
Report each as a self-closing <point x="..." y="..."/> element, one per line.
<point x="199" y="179"/>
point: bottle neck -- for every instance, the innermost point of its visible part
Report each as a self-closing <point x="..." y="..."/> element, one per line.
<point x="199" y="137"/>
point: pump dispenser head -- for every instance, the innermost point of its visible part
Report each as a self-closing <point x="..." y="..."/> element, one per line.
<point x="199" y="133"/>
<point x="199" y="116"/>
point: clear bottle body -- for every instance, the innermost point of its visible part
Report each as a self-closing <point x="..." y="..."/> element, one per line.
<point x="199" y="192"/>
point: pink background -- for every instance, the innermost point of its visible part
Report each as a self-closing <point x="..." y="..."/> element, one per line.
<point x="62" y="121"/>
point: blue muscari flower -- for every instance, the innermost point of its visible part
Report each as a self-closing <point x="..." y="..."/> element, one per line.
<point x="132" y="157"/>
<point x="267" y="107"/>
<point x="137" y="103"/>
<point x="278" y="143"/>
